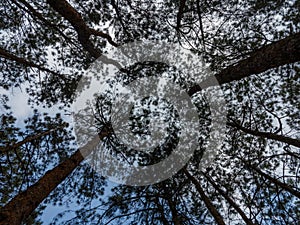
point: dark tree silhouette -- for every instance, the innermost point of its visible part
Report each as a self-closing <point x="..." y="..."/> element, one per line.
<point x="253" y="50"/>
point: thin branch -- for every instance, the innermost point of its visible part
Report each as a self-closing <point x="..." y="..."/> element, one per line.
<point x="7" y="55"/>
<point x="29" y="139"/>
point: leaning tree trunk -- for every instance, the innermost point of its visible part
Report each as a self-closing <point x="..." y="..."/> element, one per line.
<point x="211" y="208"/>
<point x="276" y="54"/>
<point x="268" y="135"/>
<point x="229" y="200"/>
<point x="23" y="204"/>
<point x="273" y="180"/>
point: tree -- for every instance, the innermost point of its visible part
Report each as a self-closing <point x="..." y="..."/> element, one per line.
<point x="252" y="48"/>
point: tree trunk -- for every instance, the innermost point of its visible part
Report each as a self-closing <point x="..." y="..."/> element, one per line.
<point x="276" y="137"/>
<point x="83" y="31"/>
<point x="276" y="54"/>
<point x="229" y="200"/>
<point x="271" y="56"/>
<point x="23" y="204"/>
<point x="284" y="186"/>
<point x="214" y="212"/>
<point x="175" y="216"/>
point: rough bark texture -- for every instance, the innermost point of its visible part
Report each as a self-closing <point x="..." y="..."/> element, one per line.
<point x="229" y="200"/>
<point x="277" y="54"/>
<point x="214" y="212"/>
<point x="23" y="204"/>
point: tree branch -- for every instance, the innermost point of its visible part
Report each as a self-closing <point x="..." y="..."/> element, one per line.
<point x="7" y="55"/>
<point x="83" y="31"/>
<point x="30" y="138"/>
<point x="276" y="137"/>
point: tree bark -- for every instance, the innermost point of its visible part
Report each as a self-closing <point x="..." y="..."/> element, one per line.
<point x="284" y="186"/>
<point x="175" y="216"/>
<point x="83" y="31"/>
<point x="229" y="200"/>
<point x="214" y="212"/>
<point x="276" y="54"/>
<point x="271" y="56"/>
<point x="276" y="137"/>
<point x="23" y="204"/>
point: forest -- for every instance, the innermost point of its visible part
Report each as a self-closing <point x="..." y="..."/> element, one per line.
<point x="212" y="138"/>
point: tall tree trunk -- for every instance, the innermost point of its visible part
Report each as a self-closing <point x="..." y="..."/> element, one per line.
<point x="214" y="212"/>
<point x="229" y="200"/>
<point x="23" y="204"/>
<point x="276" y="54"/>
<point x="271" y="56"/>
<point x="276" y="137"/>
<point x="175" y="217"/>
<point x="284" y="186"/>
<point x="161" y="211"/>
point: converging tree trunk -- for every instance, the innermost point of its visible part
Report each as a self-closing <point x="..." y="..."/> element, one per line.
<point x="34" y="192"/>
<point x="23" y="204"/>
<point x="275" y="181"/>
<point x="20" y="207"/>
<point x="268" y="135"/>
<point x="276" y="54"/>
<point x="211" y="208"/>
<point x="229" y="200"/>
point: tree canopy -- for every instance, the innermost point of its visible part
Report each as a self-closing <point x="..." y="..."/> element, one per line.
<point x="252" y="49"/>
